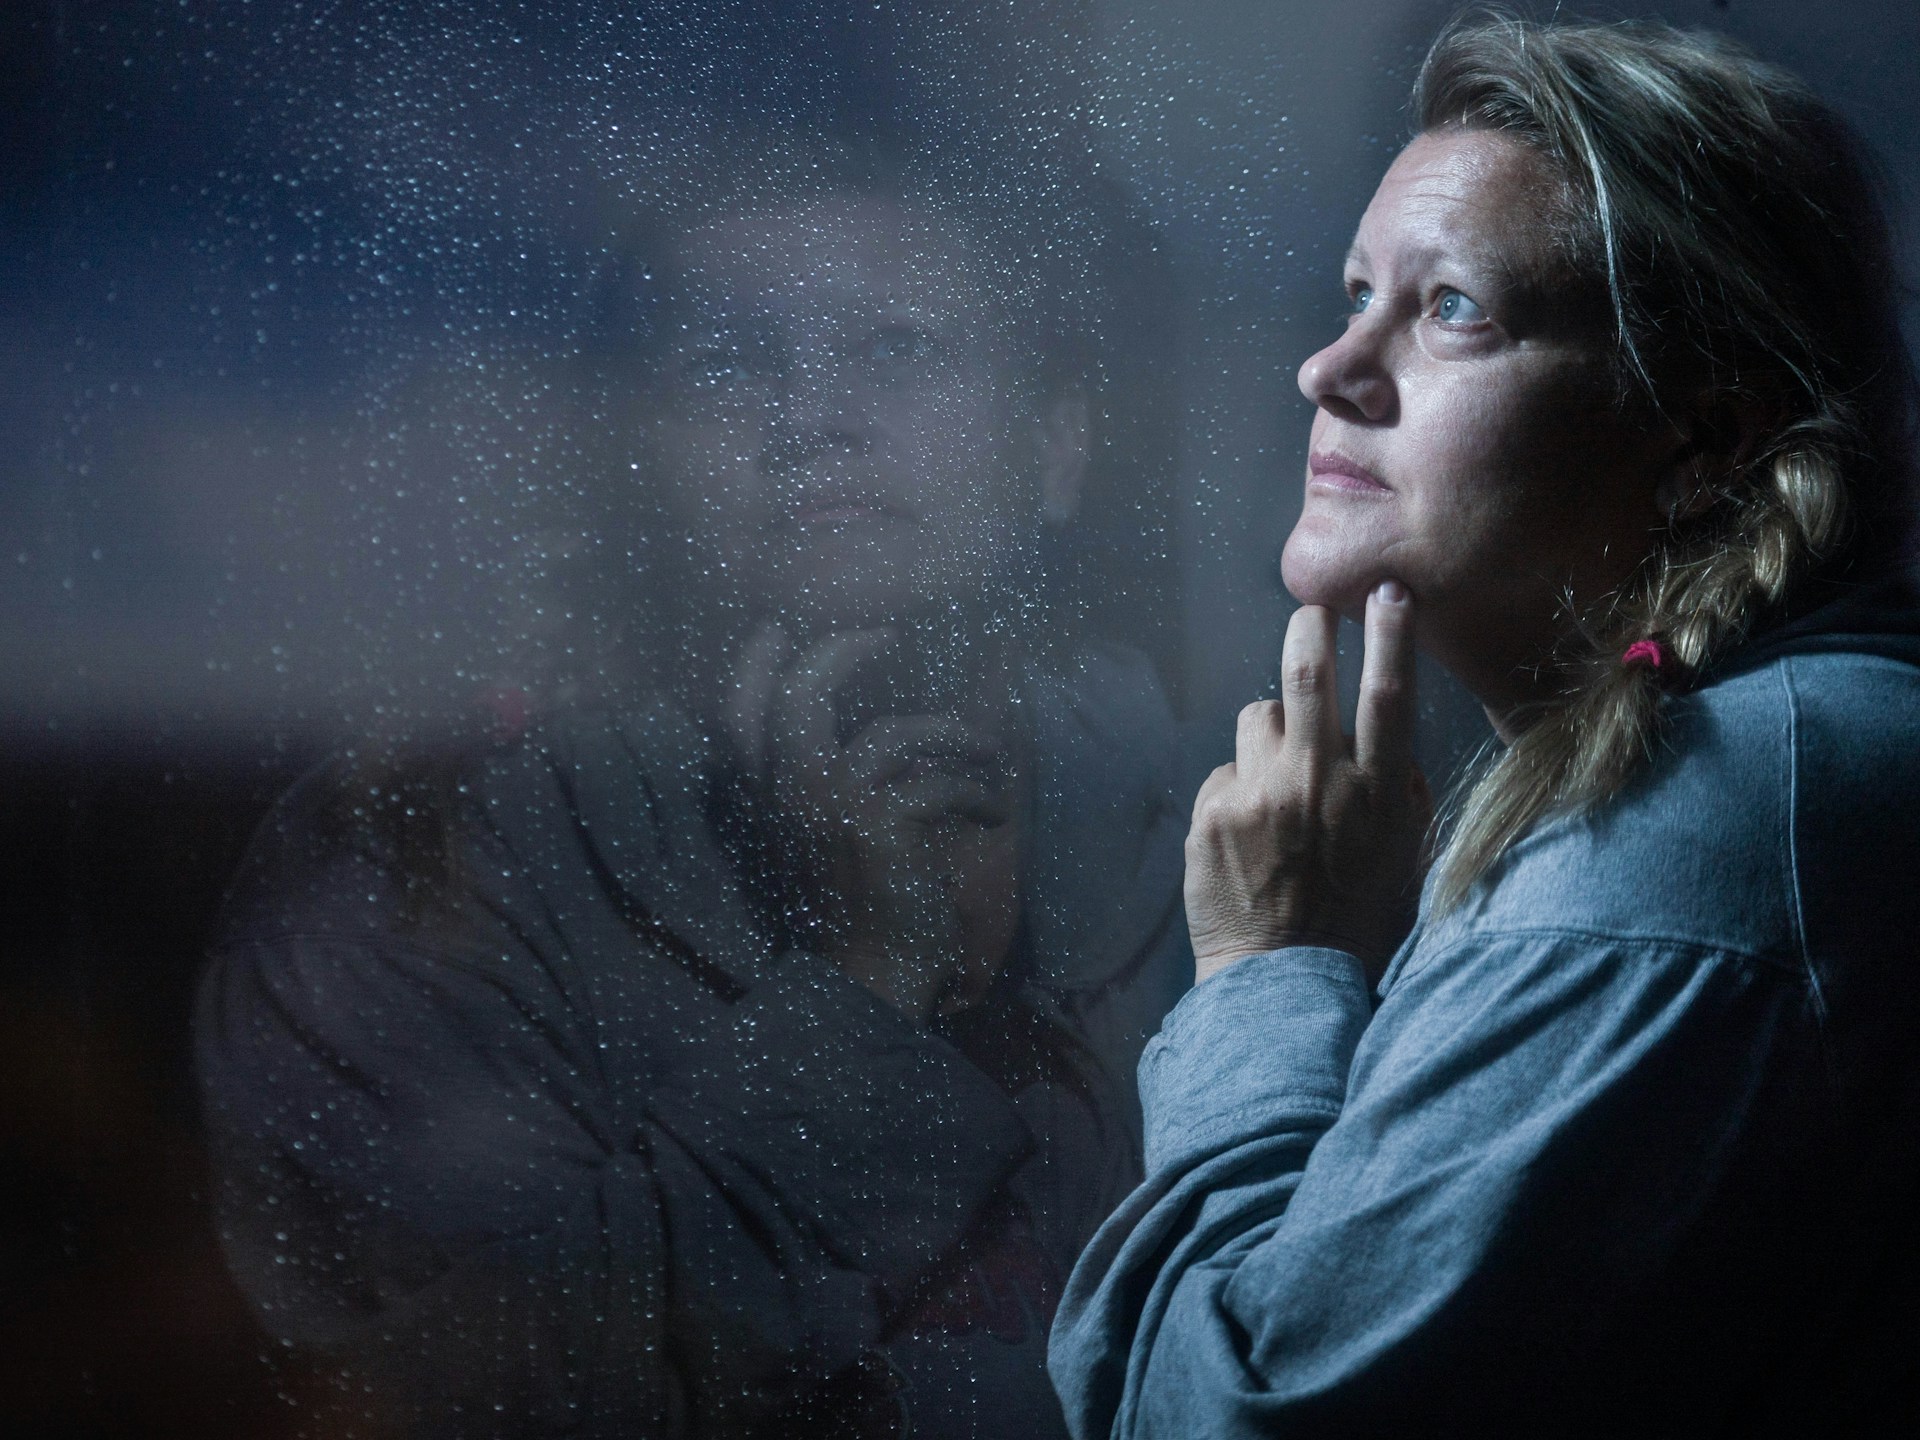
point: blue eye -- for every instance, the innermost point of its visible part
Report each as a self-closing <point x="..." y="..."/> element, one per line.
<point x="1361" y="298"/>
<point x="713" y="369"/>
<point x="899" y="342"/>
<point x="1457" y="309"/>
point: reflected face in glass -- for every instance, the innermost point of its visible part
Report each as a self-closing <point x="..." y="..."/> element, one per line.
<point x="836" y="419"/>
<point x="1468" y="440"/>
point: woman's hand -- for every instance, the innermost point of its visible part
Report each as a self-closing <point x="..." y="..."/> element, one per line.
<point x="1311" y="838"/>
<point x="906" y="841"/>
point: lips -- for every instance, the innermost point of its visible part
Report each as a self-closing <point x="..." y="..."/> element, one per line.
<point x="1337" y="472"/>
<point x="841" y="507"/>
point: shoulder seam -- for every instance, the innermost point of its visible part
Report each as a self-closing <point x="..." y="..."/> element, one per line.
<point x="1790" y="804"/>
<point x="1637" y="938"/>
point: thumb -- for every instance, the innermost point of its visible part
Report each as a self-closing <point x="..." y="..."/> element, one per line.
<point x="749" y="695"/>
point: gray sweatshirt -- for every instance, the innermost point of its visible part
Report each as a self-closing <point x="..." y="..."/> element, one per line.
<point x="588" y="1152"/>
<point x="1627" y="1145"/>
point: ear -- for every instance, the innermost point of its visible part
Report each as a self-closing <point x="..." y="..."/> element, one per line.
<point x="1715" y="439"/>
<point x="1062" y="440"/>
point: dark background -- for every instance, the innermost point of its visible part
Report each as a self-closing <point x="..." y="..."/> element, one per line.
<point x="204" y="583"/>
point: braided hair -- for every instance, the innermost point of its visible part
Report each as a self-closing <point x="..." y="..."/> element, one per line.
<point x="1737" y="227"/>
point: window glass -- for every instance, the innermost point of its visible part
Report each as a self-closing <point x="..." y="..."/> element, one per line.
<point x="612" y="612"/>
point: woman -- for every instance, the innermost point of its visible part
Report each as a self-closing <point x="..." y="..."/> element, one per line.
<point x="733" y="1050"/>
<point x="1619" y="1140"/>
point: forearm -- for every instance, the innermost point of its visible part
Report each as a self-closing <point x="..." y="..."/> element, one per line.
<point x="1266" y="1040"/>
<point x="873" y="1133"/>
<point x="1248" y="1073"/>
<point x="1529" y="1126"/>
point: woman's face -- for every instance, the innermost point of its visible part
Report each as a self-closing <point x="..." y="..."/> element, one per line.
<point x="836" y="421"/>
<point x="1468" y="440"/>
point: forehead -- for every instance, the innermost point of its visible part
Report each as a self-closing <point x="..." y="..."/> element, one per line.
<point x="832" y="252"/>
<point x="1472" y="196"/>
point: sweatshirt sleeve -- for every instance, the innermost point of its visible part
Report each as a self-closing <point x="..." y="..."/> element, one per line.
<point x="429" y="1185"/>
<point x="1416" y="1221"/>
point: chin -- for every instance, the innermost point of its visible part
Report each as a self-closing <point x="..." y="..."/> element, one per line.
<point x="1318" y="572"/>
<point x="853" y="602"/>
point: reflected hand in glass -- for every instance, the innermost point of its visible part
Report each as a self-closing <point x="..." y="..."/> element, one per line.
<point x="906" y="832"/>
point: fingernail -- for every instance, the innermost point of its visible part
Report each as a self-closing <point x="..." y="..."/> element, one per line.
<point x="1391" y="592"/>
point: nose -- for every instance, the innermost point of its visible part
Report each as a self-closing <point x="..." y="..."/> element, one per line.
<point x="817" y="414"/>
<point x="1351" y="378"/>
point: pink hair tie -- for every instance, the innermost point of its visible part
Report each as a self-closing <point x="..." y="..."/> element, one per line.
<point x="1650" y="653"/>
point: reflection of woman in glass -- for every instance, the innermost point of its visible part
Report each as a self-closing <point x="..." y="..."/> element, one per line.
<point x="743" y="1049"/>
<point x="1620" y="1142"/>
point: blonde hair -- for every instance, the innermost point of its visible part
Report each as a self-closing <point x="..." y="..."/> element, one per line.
<point x="1736" y="225"/>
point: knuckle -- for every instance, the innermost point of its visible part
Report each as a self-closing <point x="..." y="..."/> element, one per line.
<point x="1301" y="676"/>
<point x="1221" y="777"/>
<point x="1215" y="815"/>
<point x="1242" y="814"/>
<point x="1387" y="689"/>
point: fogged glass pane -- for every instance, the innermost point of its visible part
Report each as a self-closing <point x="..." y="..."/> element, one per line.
<point x="612" y="615"/>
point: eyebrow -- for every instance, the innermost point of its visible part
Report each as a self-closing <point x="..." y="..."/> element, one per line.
<point x="1423" y="255"/>
<point x="1489" y="257"/>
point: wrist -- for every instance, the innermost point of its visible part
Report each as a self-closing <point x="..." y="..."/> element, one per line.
<point x="1210" y="960"/>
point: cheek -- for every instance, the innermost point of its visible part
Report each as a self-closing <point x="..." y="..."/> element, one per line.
<point x="1467" y="428"/>
<point x="704" y="475"/>
<point x="1529" y="484"/>
<point x="1575" y="468"/>
<point x="1473" y="479"/>
<point x="958" y="453"/>
<point x="1494" y="449"/>
<point x="965" y="410"/>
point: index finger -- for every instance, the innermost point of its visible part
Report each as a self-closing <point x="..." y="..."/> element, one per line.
<point x="1383" y="721"/>
<point x="803" y="705"/>
<point x="1307" y="685"/>
<point x="749" y="697"/>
